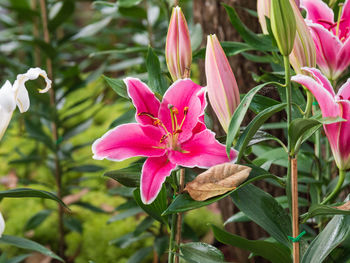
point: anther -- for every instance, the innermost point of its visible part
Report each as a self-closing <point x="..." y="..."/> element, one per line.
<point x="175" y="110"/>
<point x="156" y="122"/>
<point x="163" y="138"/>
<point x="185" y="110"/>
<point x="178" y="131"/>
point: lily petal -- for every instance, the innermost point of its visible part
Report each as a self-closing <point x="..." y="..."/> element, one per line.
<point x="320" y="78"/>
<point x="129" y="140"/>
<point x="4" y="120"/>
<point x="202" y="150"/>
<point x="318" y="11"/>
<point x="154" y="172"/>
<point x="20" y="90"/>
<point x="343" y="58"/>
<point x="2" y="225"/>
<point x="7" y="97"/>
<point x="327" y="104"/>
<point x="344" y="136"/>
<point x="345" y="20"/>
<point x="143" y="99"/>
<point x="183" y="93"/>
<point x="344" y="91"/>
<point x="327" y="49"/>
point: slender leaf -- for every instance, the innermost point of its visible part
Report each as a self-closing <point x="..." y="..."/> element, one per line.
<point x="156" y="80"/>
<point x="118" y="86"/>
<point x="316" y="210"/>
<point x="29" y="245"/>
<point x="28" y="192"/>
<point x="129" y="176"/>
<point x="201" y="252"/>
<point x="273" y="252"/>
<point x="37" y="219"/>
<point x="265" y="211"/>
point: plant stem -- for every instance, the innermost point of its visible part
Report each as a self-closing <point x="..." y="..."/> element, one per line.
<point x="179" y="216"/>
<point x="295" y="209"/>
<point x="289" y="118"/>
<point x="337" y="188"/>
<point x="328" y="164"/>
<point x="292" y="174"/>
<point x="309" y="100"/>
<point x="58" y="171"/>
<point x="172" y="238"/>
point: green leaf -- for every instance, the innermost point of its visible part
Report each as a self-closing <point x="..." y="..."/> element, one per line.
<point x="29" y="245"/>
<point x="262" y="43"/>
<point x="261" y="136"/>
<point x="37" y="219"/>
<point x="196" y="36"/>
<point x="92" y="29"/>
<point x="239" y="114"/>
<point x="273" y="252"/>
<point x="18" y="259"/>
<point x="28" y="192"/>
<point x="260" y="103"/>
<point x="140" y="255"/>
<point x="184" y="202"/>
<point x="144" y="225"/>
<point x="129" y="176"/>
<point x="253" y="127"/>
<point x="87" y="168"/>
<point x="156" y="80"/>
<point x="128" y="239"/>
<point x="157" y="207"/>
<point x="299" y="127"/>
<point x="201" y="252"/>
<point x="66" y="9"/>
<point x="265" y="211"/>
<point x="316" y="210"/>
<point x="128" y="3"/>
<point x="127" y="117"/>
<point x="336" y="231"/>
<point x="117" y="85"/>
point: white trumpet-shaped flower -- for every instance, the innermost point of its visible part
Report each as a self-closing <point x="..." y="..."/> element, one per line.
<point x="17" y="95"/>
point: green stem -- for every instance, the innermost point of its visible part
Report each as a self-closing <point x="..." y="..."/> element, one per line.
<point x="309" y="100"/>
<point x="337" y="188"/>
<point x="172" y="238"/>
<point x="327" y="156"/>
<point x="289" y="119"/>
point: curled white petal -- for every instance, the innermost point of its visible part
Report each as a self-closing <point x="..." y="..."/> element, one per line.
<point x="2" y="225"/>
<point x="22" y="98"/>
<point x="5" y="117"/>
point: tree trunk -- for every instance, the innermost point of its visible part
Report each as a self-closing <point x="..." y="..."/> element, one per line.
<point x="214" y="20"/>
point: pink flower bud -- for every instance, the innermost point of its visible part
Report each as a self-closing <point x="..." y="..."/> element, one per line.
<point x="304" y="50"/>
<point x="263" y="9"/>
<point x="178" y="50"/>
<point x="221" y="83"/>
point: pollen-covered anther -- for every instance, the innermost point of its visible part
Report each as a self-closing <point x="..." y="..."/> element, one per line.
<point x="185" y="110"/>
<point x="157" y="122"/>
<point x="178" y="131"/>
<point x="163" y="138"/>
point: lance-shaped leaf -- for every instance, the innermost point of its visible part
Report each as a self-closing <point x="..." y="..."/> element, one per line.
<point x="217" y="180"/>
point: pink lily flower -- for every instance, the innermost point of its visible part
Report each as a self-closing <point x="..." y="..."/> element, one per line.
<point x="170" y="133"/>
<point x="332" y="105"/>
<point x="222" y="87"/>
<point x="178" y="51"/>
<point x="331" y="38"/>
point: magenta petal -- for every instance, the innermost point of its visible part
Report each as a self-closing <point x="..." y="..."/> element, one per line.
<point x="343" y="57"/>
<point x="154" y="172"/>
<point x="345" y="20"/>
<point x="183" y="93"/>
<point x="327" y="49"/>
<point x="318" y="12"/>
<point x="344" y="136"/>
<point x="321" y="79"/>
<point x="202" y="150"/>
<point x="344" y="91"/>
<point x="129" y="140"/>
<point x="143" y="100"/>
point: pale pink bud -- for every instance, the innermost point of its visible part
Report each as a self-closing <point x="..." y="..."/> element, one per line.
<point x="304" y="50"/>
<point x="263" y="9"/>
<point x="221" y="83"/>
<point x="178" y="50"/>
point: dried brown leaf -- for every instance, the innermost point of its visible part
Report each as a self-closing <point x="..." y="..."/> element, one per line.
<point x="217" y="180"/>
<point x="345" y="206"/>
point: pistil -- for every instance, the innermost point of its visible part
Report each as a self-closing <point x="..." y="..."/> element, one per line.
<point x="339" y="18"/>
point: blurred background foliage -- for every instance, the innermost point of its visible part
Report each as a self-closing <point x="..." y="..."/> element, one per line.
<point x="87" y="40"/>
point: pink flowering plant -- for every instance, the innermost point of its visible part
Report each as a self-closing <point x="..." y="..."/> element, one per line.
<point x="181" y="164"/>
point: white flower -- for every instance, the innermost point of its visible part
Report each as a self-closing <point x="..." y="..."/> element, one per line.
<point x="2" y="224"/>
<point x="17" y="94"/>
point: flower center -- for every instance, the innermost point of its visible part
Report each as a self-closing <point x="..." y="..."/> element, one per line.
<point x="170" y="137"/>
